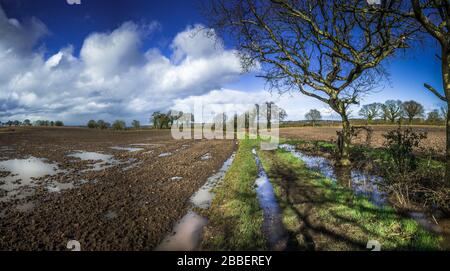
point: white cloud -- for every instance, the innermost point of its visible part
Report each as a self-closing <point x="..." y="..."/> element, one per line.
<point x="295" y="104"/>
<point x="113" y="76"/>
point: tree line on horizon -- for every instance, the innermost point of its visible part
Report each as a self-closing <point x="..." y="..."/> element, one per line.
<point x="38" y="123"/>
<point x="116" y="125"/>
<point x="393" y="111"/>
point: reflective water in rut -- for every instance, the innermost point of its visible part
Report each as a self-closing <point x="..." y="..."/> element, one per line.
<point x="273" y="224"/>
<point x="203" y="197"/>
<point x="187" y="233"/>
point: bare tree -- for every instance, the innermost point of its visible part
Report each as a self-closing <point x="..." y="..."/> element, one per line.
<point x="318" y="48"/>
<point x="434" y="117"/>
<point x="313" y="116"/>
<point x="412" y="109"/>
<point x="136" y="124"/>
<point x="393" y="110"/>
<point x="370" y="111"/>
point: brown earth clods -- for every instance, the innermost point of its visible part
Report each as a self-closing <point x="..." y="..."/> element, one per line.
<point x="435" y="140"/>
<point x="112" y="209"/>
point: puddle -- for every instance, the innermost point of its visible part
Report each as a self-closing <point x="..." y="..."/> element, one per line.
<point x="147" y="144"/>
<point x="360" y="182"/>
<point x="104" y="161"/>
<point x="425" y="222"/>
<point x="165" y="154"/>
<point x="57" y="187"/>
<point x="91" y="156"/>
<point x="110" y="215"/>
<point x="133" y="164"/>
<point x="273" y="224"/>
<point x="206" y="157"/>
<point x="26" y="207"/>
<point x="186" y="235"/>
<point x="128" y="149"/>
<point x="203" y="197"/>
<point x="23" y="173"/>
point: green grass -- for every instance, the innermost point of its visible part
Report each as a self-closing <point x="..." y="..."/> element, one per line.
<point x="235" y="218"/>
<point x="335" y="218"/>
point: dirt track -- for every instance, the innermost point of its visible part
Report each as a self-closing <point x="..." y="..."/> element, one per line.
<point x="117" y="208"/>
<point x="434" y="142"/>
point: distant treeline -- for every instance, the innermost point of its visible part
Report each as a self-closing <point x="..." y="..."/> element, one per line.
<point x="390" y="112"/>
<point x="116" y="125"/>
<point x="27" y="122"/>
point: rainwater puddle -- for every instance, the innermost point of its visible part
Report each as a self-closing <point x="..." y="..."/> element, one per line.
<point x="23" y="173"/>
<point x="206" y="156"/>
<point x="273" y="225"/>
<point x="57" y="187"/>
<point x="147" y="144"/>
<point x="26" y="207"/>
<point x="128" y="149"/>
<point x="203" y="197"/>
<point x="103" y="161"/>
<point x="360" y="182"/>
<point x="165" y="154"/>
<point x="187" y="233"/>
<point x="110" y="215"/>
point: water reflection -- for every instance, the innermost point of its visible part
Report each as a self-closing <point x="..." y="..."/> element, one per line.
<point x="273" y="224"/>
<point x="203" y="197"/>
<point x="186" y="235"/>
<point x="361" y="183"/>
<point x="128" y="149"/>
<point x="103" y="161"/>
<point x="22" y="174"/>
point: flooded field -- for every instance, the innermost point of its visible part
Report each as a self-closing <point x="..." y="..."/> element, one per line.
<point x="107" y="190"/>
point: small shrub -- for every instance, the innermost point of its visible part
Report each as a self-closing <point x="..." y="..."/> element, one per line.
<point x="400" y="145"/>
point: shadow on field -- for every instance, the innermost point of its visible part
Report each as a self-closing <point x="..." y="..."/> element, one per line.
<point x="325" y="220"/>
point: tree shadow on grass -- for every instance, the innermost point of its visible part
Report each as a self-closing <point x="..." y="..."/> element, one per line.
<point x="322" y="225"/>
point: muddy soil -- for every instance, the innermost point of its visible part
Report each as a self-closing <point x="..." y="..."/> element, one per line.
<point x="131" y="203"/>
<point x="434" y="142"/>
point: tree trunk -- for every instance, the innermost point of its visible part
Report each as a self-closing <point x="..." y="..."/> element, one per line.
<point x="446" y="80"/>
<point x="344" y="140"/>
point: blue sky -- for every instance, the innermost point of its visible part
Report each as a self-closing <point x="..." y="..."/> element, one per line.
<point x="61" y="72"/>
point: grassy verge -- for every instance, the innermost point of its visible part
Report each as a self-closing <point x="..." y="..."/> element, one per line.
<point x="322" y="215"/>
<point x="235" y="218"/>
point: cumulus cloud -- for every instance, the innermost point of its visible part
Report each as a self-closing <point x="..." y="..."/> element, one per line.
<point x="113" y="76"/>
